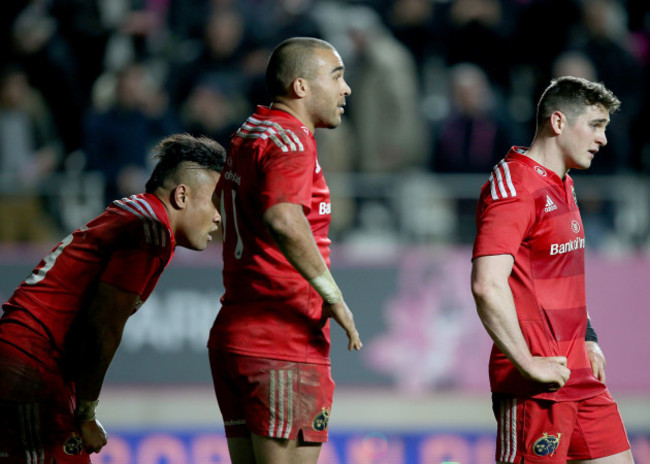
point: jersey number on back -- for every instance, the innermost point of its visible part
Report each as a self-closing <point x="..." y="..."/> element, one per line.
<point x="239" y="247"/>
<point x="50" y="259"/>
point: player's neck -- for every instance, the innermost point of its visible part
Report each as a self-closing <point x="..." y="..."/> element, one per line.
<point x="293" y="110"/>
<point x="164" y="197"/>
<point x="548" y="156"/>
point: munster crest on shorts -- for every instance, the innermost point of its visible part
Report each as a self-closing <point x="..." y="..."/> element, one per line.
<point x="73" y="445"/>
<point x="546" y="445"/>
<point x="321" y="420"/>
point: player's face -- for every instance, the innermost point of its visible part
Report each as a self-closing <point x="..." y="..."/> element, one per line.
<point x="202" y="217"/>
<point x="585" y="137"/>
<point x="328" y="90"/>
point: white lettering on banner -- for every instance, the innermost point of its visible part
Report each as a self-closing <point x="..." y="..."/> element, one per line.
<point x="172" y="322"/>
<point x="191" y="446"/>
<point x="571" y="245"/>
<point x="236" y="178"/>
<point x="325" y="208"/>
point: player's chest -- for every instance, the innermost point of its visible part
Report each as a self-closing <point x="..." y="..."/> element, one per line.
<point x="558" y="227"/>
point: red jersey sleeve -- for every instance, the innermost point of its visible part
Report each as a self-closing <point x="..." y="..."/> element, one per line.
<point x="287" y="177"/>
<point x="502" y="224"/>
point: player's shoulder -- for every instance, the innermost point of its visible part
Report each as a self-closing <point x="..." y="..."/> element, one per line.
<point x="142" y="206"/>
<point x="276" y="129"/>
<point x="144" y="212"/>
<point x="514" y="176"/>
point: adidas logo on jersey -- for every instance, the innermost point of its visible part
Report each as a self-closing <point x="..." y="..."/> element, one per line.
<point x="550" y="206"/>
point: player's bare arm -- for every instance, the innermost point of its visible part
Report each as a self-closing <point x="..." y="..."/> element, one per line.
<point x="290" y="230"/>
<point x="100" y="335"/>
<point x="496" y="308"/>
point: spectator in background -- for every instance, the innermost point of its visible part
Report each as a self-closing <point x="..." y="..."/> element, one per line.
<point x="37" y="45"/>
<point x="9" y="11"/>
<point x="574" y="63"/>
<point x="213" y="109"/>
<point x="385" y="110"/>
<point x="418" y="25"/>
<point x="603" y="37"/>
<point x="271" y="22"/>
<point x="29" y="152"/>
<point x="639" y="27"/>
<point x="81" y="25"/>
<point x="185" y="19"/>
<point x="222" y="51"/>
<point x="480" y="31"/>
<point x="538" y="55"/>
<point x="118" y="137"/>
<point x="473" y="137"/>
<point x="281" y="19"/>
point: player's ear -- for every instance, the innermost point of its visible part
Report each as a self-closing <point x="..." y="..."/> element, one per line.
<point x="300" y="87"/>
<point x="179" y="196"/>
<point x="558" y="121"/>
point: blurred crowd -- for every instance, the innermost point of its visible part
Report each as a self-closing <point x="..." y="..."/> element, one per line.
<point x="438" y="86"/>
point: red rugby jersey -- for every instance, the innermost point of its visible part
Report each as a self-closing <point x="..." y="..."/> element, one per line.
<point x="128" y="245"/>
<point x="269" y="310"/>
<point x="527" y="211"/>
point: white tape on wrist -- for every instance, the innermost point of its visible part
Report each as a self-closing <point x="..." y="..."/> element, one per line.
<point x="85" y="410"/>
<point x="326" y="287"/>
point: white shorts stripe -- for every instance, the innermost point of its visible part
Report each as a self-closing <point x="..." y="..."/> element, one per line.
<point x="507" y="433"/>
<point x="502" y="431"/>
<point x="281" y="403"/>
<point x="30" y="433"/>
<point x="508" y="429"/>
<point x="272" y="388"/>
<point x="289" y="403"/>
<point x="513" y="412"/>
<point x="281" y="400"/>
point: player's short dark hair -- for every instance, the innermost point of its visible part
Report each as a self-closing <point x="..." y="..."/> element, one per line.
<point x="291" y="59"/>
<point x="177" y="149"/>
<point x="572" y="96"/>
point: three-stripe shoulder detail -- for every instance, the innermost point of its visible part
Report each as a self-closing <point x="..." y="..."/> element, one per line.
<point x="501" y="185"/>
<point x="285" y="139"/>
<point x="155" y="232"/>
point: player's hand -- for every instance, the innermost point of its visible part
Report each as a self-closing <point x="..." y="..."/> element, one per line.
<point x="551" y="371"/>
<point x="94" y="435"/>
<point x="343" y="316"/>
<point x="597" y="360"/>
